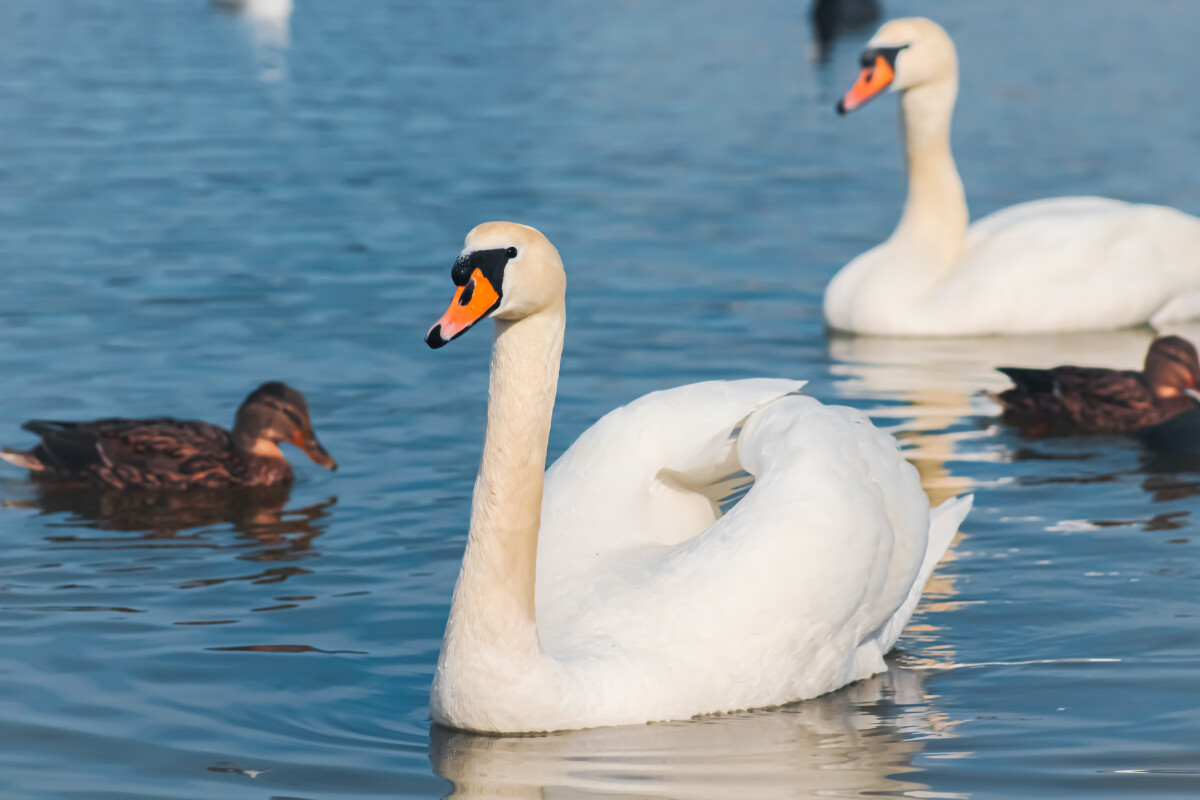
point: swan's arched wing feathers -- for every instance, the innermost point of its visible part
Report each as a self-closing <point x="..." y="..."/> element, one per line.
<point x="630" y="479"/>
<point x="863" y="505"/>
<point x="803" y="575"/>
<point x="1070" y="263"/>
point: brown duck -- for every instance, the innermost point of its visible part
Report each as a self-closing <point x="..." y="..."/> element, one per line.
<point x="165" y="453"/>
<point x="1095" y="400"/>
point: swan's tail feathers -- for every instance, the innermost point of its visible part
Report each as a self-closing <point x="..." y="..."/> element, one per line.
<point x="1181" y="308"/>
<point x="944" y="522"/>
<point x="22" y="458"/>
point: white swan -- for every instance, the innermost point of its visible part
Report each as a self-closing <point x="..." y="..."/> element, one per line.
<point x="650" y="604"/>
<point x="1069" y="263"/>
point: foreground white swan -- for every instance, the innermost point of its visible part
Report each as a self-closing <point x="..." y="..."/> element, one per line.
<point x="1068" y="263"/>
<point x="650" y="604"/>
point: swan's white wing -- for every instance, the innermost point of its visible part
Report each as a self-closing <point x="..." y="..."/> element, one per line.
<point x="782" y="598"/>
<point x="1068" y="263"/>
<point x="615" y="501"/>
<point x="619" y="485"/>
<point x="1055" y="209"/>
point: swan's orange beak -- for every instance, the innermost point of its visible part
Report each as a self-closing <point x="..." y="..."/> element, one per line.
<point x="871" y="81"/>
<point x="472" y="301"/>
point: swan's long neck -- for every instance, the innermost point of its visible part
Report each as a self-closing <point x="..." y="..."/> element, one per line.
<point x="934" y="223"/>
<point x="493" y="612"/>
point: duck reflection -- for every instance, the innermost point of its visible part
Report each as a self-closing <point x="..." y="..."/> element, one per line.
<point x="175" y="518"/>
<point x="851" y="742"/>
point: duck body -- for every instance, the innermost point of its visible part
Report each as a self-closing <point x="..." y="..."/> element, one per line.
<point x="629" y="592"/>
<point x="1085" y="400"/>
<point x="160" y="453"/>
<point x="166" y="453"/>
<point x="1070" y="399"/>
<point x="1060" y="264"/>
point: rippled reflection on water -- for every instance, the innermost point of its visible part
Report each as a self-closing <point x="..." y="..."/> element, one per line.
<point x="861" y="740"/>
<point x="193" y="202"/>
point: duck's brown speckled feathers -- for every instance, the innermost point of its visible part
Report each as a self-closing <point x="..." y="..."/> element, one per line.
<point x="1072" y="399"/>
<point x="165" y="453"/>
<point x="158" y="453"/>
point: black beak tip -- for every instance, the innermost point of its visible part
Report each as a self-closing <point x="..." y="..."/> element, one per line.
<point x="332" y="465"/>
<point x="841" y="106"/>
<point x="434" y="338"/>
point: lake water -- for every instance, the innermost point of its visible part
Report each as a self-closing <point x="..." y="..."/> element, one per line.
<point x="192" y="202"/>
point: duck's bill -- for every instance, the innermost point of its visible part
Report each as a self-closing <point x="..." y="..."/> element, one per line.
<point x="472" y="301"/>
<point x="872" y="81"/>
<point x="313" y="448"/>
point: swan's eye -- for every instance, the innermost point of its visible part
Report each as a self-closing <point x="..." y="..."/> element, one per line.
<point x="511" y="252"/>
<point x="467" y="294"/>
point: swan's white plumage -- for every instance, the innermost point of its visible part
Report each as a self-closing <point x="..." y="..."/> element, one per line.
<point x="802" y="587"/>
<point x="1061" y="264"/>
<point x="646" y="602"/>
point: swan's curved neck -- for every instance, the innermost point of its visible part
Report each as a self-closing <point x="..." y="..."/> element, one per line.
<point x="493" y="612"/>
<point x="935" y="214"/>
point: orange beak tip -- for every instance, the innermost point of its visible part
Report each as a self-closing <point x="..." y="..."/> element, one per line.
<point x="873" y="81"/>
<point x="472" y="302"/>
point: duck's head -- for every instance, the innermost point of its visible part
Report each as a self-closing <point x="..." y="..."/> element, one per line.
<point x="274" y="413"/>
<point x="505" y="271"/>
<point x="903" y="54"/>
<point x="1172" y="368"/>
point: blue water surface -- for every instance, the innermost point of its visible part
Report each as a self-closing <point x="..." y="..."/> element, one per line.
<point x="194" y="201"/>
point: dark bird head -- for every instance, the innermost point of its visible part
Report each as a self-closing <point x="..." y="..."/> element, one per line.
<point x="274" y="413"/>
<point x="1172" y="368"/>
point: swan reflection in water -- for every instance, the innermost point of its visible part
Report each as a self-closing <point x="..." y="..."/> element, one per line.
<point x="269" y="22"/>
<point x="930" y="395"/>
<point x="181" y="519"/>
<point x="853" y="741"/>
<point x="933" y="389"/>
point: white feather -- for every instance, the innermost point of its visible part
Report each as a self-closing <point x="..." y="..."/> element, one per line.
<point x="801" y="588"/>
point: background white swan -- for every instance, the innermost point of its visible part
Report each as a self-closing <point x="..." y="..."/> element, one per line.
<point x="650" y="603"/>
<point x="1069" y="263"/>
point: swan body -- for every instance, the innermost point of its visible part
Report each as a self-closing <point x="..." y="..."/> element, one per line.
<point x="1061" y="264"/>
<point x="621" y="593"/>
